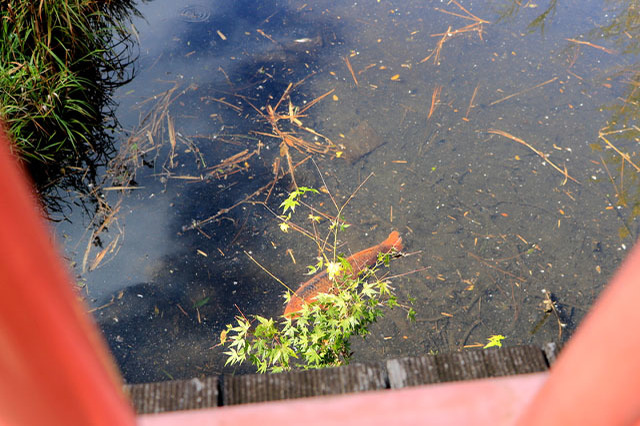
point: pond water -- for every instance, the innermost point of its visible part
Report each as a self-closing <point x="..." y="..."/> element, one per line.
<point x="475" y="126"/>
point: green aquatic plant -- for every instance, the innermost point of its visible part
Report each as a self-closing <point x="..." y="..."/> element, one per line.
<point x="319" y="335"/>
<point x="293" y="200"/>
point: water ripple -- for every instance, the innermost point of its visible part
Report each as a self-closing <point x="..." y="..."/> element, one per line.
<point x="195" y="13"/>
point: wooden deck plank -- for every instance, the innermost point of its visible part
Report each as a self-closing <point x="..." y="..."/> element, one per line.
<point x="393" y="374"/>
<point x="300" y="384"/>
<point x="412" y="371"/>
<point x="174" y="395"/>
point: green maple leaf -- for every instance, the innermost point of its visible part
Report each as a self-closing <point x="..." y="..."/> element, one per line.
<point x="495" y="340"/>
<point x="289" y="203"/>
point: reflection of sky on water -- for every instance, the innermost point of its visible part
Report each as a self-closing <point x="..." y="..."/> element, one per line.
<point x="174" y="47"/>
<point x="493" y="223"/>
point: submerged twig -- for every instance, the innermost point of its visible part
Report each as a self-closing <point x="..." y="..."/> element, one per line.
<point x="195" y="224"/>
<point x="268" y="272"/>
<point x="353" y="75"/>
<point x="435" y="98"/>
<point x="523" y="91"/>
<point x="471" y="105"/>
<point x="544" y="156"/>
<point x="477" y="26"/>
<point x="595" y="46"/>
<point x="624" y="155"/>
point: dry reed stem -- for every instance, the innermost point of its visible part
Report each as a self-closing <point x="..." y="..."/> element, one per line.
<point x="544" y="156"/>
<point x="436" y="52"/>
<point x="172" y="139"/>
<point x="231" y="165"/>
<point x="290" y="138"/>
<point x="196" y="224"/>
<point x="486" y="263"/>
<point x="477" y="26"/>
<point x="595" y="46"/>
<point x="223" y="102"/>
<point x="523" y="91"/>
<point x="624" y="155"/>
<point x="145" y="139"/>
<point x="265" y="35"/>
<point x="110" y="218"/>
<point x="435" y="98"/>
<point x="453" y="13"/>
<point x="368" y="67"/>
<point x="110" y="248"/>
<point x="285" y="94"/>
<point x="346" y="60"/>
<point x="471" y="27"/>
<point x="613" y="183"/>
<point x="229" y="82"/>
<point x="470" y="15"/>
<point x="315" y="101"/>
<point x="475" y="92"/>
<point x="121" y="188"/>
<point x="268" y="272"/>
<point x="448" y="35"/>
<point x="238" y="161"/>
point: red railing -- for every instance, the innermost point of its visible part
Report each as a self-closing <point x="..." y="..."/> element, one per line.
<point x="55" y="368"/>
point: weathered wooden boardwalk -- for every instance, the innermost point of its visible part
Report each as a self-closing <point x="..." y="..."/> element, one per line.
<point x="391" y="374"/>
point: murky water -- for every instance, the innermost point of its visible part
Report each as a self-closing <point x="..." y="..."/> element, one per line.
<point x="470" y="107"/>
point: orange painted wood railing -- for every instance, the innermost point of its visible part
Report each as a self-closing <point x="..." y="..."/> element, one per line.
<point x="55" y="368"/>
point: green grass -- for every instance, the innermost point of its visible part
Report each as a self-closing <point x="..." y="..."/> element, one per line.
<point x="59" y="62"/>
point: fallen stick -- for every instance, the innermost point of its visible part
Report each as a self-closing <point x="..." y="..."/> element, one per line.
<point x="544" y="156"/>
<point x="435" y="98"/>
<point x="346" y="60"/>
<point x="523" y="91"/>
<point x="595" y="46"/>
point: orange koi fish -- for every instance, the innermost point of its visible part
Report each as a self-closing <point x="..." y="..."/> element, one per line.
<point x="320" y="283"/>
